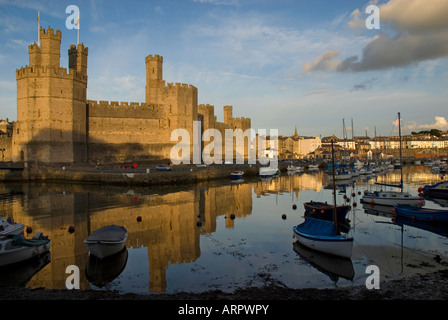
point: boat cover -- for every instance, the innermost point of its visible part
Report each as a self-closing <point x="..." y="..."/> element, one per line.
<point x="108" y="233"/>
<point x="317" y="227"/>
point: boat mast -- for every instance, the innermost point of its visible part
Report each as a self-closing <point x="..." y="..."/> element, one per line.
<point x="401" y="161"/>
<point x="335" y="217"/>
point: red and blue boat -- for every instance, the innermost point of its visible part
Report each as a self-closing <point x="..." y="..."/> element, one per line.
<point x="323" y="210"/>
<point x="420" y="213"/>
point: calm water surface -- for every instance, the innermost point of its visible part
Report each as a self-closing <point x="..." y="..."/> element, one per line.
<point x="218" y="235"/>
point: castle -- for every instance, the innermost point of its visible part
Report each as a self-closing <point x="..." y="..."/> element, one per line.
<point x="57" y="124"/>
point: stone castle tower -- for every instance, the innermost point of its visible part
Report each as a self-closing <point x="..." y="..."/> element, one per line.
<point x="51" y="104"/>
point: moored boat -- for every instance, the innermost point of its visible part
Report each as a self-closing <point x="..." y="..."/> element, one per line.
<point x="16" y="248"/>
<point x="325" y="211"/>
<point x="391" y="198"/>
<point x="236" y="175"/>
<point x="438" y="189"/>
<point x="421" y="214"/>
<point x="268" y="172"/>
<point x="321" y="235"/>
<point x="8" y="227"/>
<point x="106" y="241"/>
<point x="324" y="235"/>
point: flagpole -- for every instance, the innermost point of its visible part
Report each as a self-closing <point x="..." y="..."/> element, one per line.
<point x="78" y="29"/>
<point x="38" y="29"/>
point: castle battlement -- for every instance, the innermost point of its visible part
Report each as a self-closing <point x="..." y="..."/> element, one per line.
<point x="116" y="109"/>
<point x="42" y="72"/>
<point x="50" y="33"/>
<point x="180" y="86"/>
<point x="155" y="57"/>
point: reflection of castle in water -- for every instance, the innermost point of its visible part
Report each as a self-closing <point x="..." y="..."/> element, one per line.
<point x="168" y="228"/>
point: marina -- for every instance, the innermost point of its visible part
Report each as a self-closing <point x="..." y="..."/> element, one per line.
<point x="223" y="234"/>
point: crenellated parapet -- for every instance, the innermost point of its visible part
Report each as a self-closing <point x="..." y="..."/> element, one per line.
<point x="115" y="109"/>
<point x="46" y="72"/>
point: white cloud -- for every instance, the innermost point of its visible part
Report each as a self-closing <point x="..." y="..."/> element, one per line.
<point x="439" y="123"/>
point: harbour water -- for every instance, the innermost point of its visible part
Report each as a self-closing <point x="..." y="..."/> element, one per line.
<point x="218" y="235"/>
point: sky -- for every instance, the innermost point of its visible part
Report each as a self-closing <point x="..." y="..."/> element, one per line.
<point x="310" y="64"/>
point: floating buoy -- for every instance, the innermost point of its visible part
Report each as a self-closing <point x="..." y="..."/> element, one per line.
<point x="71" y="229"/>
<point x="199" y="224"/>
<point x="139" y="219"/>
<point x="372" y="202"/>
<point x="420" y="202"/>
<point x="29" y="230"/>
<point x="284" y="216"/>
<point x="348" y="199"/>
<point x="353" y="194"/>
<point x="420" y="189"/>
<point x="135" y="199"/>
<point x="294" y="206"/>
<point x="359" y="192"/>
<point x="345" y="196"/>
<point x="322" y="211"/>
<point x="354" y="204"/>
<point x="393" y="210"/>
<point x="232" y="216"/>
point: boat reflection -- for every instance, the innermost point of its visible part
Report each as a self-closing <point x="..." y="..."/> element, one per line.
<point x="19" y="274"/>
<point x="100" y="272"/>
<point x="333" y="266"/>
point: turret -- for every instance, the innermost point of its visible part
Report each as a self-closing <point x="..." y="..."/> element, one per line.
<point x="77" y="58"/>
<point x="50" y="50"/>
<point x="154" y="76"/>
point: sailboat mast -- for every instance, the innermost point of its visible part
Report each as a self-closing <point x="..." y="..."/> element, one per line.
<point x="401" y="161"/>
<point x="335" y="216"/>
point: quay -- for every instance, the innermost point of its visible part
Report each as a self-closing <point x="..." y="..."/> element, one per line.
<point x="114" y="175"/>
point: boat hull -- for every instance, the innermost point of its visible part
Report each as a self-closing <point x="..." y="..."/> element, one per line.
<point x="340" y="246"/>
<point x="325" y="211"/>
<point x="236" y="175"/>
<point x="390" y="198"/>
<point x="268" y="172"/>
<point x="7" y="228"/>
<point x="439" y="189"/>
<point x="106" y="241"/>
<point x="104" y="249"/>
<point x="421" y="214"/>
<point x="19" y="254"/>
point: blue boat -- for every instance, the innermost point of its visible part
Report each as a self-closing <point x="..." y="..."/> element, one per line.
<point x="421" y="214"/>
<point x="437" y="190"/>
<point x="321" y="235"/>
<point x="236" y="175"/>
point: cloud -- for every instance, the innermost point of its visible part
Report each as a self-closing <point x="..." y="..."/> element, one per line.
<point x="324" y="62"/>
<point x="420" y="33"/>
<point x="439" y="123"/>
<point x="365" y="85"/>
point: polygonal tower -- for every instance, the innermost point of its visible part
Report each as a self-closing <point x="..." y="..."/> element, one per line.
<point x="51" y="104"/>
